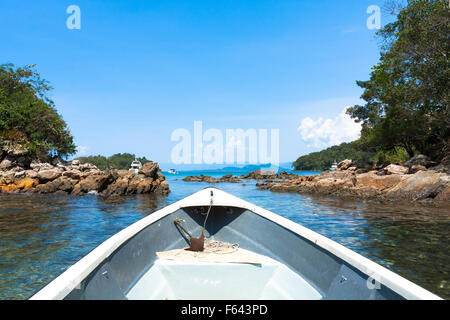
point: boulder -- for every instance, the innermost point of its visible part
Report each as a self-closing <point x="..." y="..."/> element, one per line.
<point x="415" y="168"/>
<point x="38" y="166"/>
<point x="27" y="184"/>
<point x="345" y="164"/>
<point x="98" y="182"/>
<point x="118" y="187"/>
<point x="444" y="194"/>
<point x="76" y="191"/>
<point x="421" y="160"/>
<point x="87" y="167"/>
<point x="149" y="169"/>
<point x="421" y="185"/>
<point x="6" y="164"/>
<point x="396" y="169"/>
<point x="73" y="174"/>
<point x="64" y="183"/>
<point x="381" y="183"/>
<point x="31" y="174"/>
<point x="20" y="174"/>
<point x="45" y="176"/>
<point x="162" y="188"/>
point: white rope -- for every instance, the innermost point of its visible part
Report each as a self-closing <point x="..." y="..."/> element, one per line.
<point x="220" y="247"/>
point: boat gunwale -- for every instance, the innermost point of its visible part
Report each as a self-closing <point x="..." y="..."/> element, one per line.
<point x="62" y="285"/>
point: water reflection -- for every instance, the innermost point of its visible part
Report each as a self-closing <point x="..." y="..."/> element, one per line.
<point x="40" y="236"/>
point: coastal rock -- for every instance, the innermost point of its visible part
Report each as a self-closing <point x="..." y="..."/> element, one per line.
<point x="208" y="179"/>
<point x="345" y="164"/>
<point x="162" y="188"/>
<point x="98" y="182"/>
<point x="38" y="166"/>
<point x="381" y="183"/>
<point x="78" y="178"/>
<point x="421" y="160"/>
<point x="45" y="176"/>
<point x="423" y="186"/>
<point x="87" y="167"/>
<point x="149" y="169"/>
<point x="60" y="184"/>
<point x="443" y="195"/>
<point x="20" y="174"/>
<point x="73" y="174"/>
<point x="415" y="168"/>
<point x="419" y="186"/>
<point x="259" y="175"/>
<point x="6" y="164"/>
<point x="27" y="184"/>
<point x="396" y="169"/>
<point x="31" y="174"/>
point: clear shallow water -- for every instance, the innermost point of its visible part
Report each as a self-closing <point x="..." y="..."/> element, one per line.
<point x="42" y="235"/>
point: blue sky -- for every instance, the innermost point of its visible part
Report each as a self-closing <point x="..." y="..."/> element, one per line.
<point x="137" y="70"/>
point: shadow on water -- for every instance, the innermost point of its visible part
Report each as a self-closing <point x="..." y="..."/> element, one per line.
<point x="42" y="235"/>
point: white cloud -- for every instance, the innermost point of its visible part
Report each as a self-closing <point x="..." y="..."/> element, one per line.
<point x="323" y="133"/>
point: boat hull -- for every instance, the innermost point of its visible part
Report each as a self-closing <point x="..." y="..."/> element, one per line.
<point x="123" y="264"/>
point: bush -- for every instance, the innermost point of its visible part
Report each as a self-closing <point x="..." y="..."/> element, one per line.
<point x="28" y="119"/>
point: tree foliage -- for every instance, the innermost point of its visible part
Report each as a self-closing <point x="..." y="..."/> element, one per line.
<point x="28" y="118"/>
<point x="117" y="161"/>
<point x="324" y="159"/>
<point x="407" y="95"/>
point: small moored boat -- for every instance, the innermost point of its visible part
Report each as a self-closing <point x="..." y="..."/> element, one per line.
<point x="172" y="171"/>
<point x="135" y="166"/>
<point x="334" y="166"/>
<point x="248" y="253"/>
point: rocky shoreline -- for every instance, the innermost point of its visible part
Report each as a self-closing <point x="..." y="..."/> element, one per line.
<point x="254" y="175"/>
<point x="418" y="180"/>
<point x="75" y="178"/>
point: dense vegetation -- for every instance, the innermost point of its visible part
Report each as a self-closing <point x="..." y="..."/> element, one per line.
<point x="407" y="95"/>
<point x="28" y="118"/>
<point x="324" y="159"/>
<point x="117" y="161"/>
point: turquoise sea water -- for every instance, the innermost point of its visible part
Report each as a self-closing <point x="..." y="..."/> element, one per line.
<point x="42" y="235"/>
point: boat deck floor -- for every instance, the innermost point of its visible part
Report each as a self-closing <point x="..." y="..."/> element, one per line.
<point x="171" y="279"/>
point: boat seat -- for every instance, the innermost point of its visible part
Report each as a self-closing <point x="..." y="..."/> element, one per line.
<point x="199" y="280"/>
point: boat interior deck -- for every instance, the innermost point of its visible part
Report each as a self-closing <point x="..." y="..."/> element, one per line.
<point x="168" y="279"/>
<point x="292" y="267"/>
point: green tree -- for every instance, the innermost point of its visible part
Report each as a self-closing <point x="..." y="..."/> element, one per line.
<point x="323" y="160"/>
<point x="116" y="161"/>
<point x="28" y="118"/>
<point x="99" y="161"/>
<point x="407" y="96"/>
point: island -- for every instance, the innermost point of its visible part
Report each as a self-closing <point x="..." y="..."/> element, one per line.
<point x="35" y="143"/>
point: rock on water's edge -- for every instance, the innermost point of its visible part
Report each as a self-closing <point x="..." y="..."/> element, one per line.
<point x="78" y="178"/>
<point x="417" y="180"/>
<point x="410" y="182"/>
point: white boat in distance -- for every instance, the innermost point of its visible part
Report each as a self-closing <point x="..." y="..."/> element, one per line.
<point x="172" y="171"/>
<point x="334" y="166"/>
<point x="135" y="166"/>
<point x="270" y="257"/>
